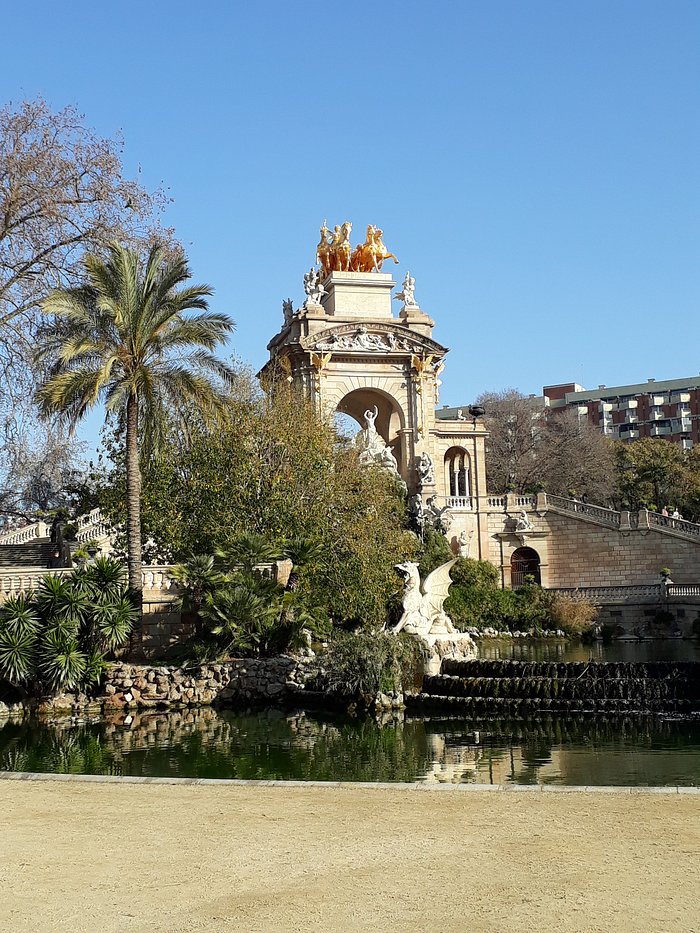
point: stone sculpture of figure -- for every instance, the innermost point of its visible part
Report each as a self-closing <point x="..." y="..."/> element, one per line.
<point x="522" y="522"/>
<point x="425" y="469"/>
<point x="370" y="417"/>
<point x="423" y="612"/>
<point x="440" y="518"/>
<point x="313" y="288"/>
<point x="323" y="251"/>
<point x="415" y="509"/>
<point x="407" y="295"/>
<point x="460" y="415"/>
<point x="373" y="448"/>
<point x="366" y="341"/>
<point x="287" y="311"/>
<point x="464" y="542"/>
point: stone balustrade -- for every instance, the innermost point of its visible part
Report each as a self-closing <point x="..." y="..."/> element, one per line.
<point x="584" y="509"/>
<point x="682" y="590"/>
<point x="156" y="581"/>
<point x="673" y="524"/>
<point x="16" y="580"/>
<point x="96" y="532"/>
<point x="652" y="593"/>
<point x="94" y="517"/>
<point x="25" y="535"/>
<point x="458" y="503"/>
<point x="606" y="595"/>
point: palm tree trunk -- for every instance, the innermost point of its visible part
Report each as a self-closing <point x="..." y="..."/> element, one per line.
<point x="133" y="498"/>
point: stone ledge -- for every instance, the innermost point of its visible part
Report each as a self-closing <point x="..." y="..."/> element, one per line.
<point x="625" y="789"/>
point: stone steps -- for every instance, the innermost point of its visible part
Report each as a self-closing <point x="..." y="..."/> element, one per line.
<point x="524" y="687"/>
<point x="37" y="553"/>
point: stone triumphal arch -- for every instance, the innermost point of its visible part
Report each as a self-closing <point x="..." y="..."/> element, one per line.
<point x="349" y="352"/>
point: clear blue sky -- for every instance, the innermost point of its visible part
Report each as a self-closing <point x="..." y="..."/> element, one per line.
<point x="534" y="164"/>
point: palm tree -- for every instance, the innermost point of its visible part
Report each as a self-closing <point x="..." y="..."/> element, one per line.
<point x="124" y="338"/>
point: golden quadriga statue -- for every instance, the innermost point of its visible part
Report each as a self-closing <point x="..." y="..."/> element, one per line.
<point x="335" y="254"/>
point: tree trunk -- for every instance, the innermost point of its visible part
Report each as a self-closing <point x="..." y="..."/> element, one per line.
<point x="133" y="498"/>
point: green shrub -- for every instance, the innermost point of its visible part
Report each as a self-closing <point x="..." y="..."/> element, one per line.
<point x="357" y="667"/>
<point x="242" y="612"/>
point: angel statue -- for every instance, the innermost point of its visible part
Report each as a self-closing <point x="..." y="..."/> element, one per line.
<point x="313" y="287"/>
<point x="423" y="612"/>
<point x="407" y="294"/>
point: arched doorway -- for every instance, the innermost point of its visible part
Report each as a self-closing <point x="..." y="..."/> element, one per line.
<point x="524" y="567"/>
<point x="389" y="421"/>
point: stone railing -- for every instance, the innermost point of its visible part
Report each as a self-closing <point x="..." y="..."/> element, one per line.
<point x="97" y="532"/>
<point x="682" y="589"/>
<point x="635" y="593"/>
<point x="156" y="581"/>
<point x="94" y="517"/>
<point x="673" y="524"/>
<point x="602" y="595"/>
<point x="595" y="512"/>
<point x="510" y="502"/>
<point x="25" y="535"/>
<point x="16" y="580"/>
<point x="458" y="503"/>
<point x="91" y="526"/>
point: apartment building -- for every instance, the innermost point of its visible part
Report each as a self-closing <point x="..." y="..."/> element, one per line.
<point x="668" y="408"/>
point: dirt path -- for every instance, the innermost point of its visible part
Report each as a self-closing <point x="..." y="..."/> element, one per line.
<point x="134" y="857"/>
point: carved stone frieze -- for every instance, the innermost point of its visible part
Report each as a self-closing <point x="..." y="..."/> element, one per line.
<point x="375" y="339"/>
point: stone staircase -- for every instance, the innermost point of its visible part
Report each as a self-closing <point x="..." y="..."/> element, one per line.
<point x="523" y="688"/>
<point x="643" y="521"/>
<point x="31" y="546"/>
<point x="39" y="552"/>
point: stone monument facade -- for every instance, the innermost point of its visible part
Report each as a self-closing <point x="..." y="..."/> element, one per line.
<point x="346" y="349"/>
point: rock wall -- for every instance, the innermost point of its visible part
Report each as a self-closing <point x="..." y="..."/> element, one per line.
<point x="248" y="680"/>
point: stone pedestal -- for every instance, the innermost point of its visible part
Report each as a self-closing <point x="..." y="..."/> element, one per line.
<point x="457" y="646"/>
<point x="358" y="295"/>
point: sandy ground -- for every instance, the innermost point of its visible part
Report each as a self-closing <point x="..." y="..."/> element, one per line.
<point x="133" y="857"/>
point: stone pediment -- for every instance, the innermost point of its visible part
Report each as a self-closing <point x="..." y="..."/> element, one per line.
<point x="371" y="338"/>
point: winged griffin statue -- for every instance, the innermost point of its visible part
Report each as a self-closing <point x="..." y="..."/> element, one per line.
<point x="423" y="612"/>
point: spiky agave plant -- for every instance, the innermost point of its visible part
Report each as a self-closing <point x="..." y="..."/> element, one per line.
<point x="19" y="627"/>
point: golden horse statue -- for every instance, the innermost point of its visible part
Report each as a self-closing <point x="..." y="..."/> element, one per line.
<point x="323" y="251"/>
<point x="369" y="256"/>
<point x="340" y="248"/>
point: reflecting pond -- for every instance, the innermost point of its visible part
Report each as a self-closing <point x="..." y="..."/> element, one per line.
<point x="554" y="649"/>
<point x="309" y="746"/>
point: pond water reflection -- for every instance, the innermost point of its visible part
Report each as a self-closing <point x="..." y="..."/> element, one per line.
<point x="308" y="746"/>
<point x="553" y="649"/>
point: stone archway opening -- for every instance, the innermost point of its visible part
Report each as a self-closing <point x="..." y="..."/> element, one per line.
<point x="457" y="473"/>
<point x="390" y="419"/>
<point x="524" y="567"/>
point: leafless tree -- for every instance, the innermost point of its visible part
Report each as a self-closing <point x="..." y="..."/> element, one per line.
<point x="531" y="446"/>
<point x="41" y="472"/>
<point x="62" y="193"/>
